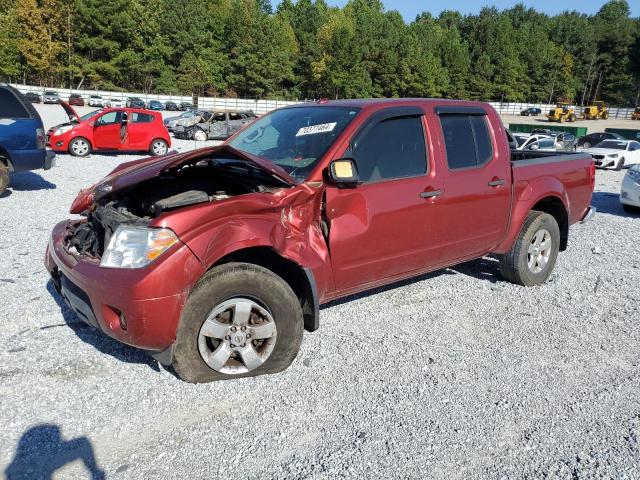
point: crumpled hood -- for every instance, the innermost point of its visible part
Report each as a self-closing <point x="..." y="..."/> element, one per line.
<point x="131" y="173"/>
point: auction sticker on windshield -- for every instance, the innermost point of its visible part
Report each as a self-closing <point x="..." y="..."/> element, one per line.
<point x="313" y="129"/>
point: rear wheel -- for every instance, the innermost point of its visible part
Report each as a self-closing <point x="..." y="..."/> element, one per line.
<point x="79" y="147"/>
<point x="241" y="320"/>
<point x="158" y="147"/>
<point x="533" y="256"/>
<point x="586" y="145"/>
<point x="4" y="177"/>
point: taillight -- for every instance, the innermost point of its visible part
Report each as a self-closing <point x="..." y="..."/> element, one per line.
<point x="40" y="138"/>
<point x="592" y="174"/>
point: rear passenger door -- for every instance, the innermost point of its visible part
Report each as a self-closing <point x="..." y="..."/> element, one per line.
<point x="139" y="129"/>
<point x="476" y="199"/>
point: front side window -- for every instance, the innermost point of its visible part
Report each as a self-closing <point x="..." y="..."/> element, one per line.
<point x="467" y="140"/>
<point x="110" y="118"/>
<point x="394" y="148"/>
<point x="295" y="138"/>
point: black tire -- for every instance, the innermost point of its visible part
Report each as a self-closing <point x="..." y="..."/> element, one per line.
<point x="619" y="165"/>
<point x="630" y="208"/>
<point x="4" y="177"/>
<point x="223" y="283"/>
<point x="513" y="265"/>
<point x="75" y="148"/>
<point x="156" y="145"/>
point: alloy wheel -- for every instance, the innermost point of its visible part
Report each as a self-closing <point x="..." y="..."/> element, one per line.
<point x="539" y="251"/>
<point x="237" y="337"/>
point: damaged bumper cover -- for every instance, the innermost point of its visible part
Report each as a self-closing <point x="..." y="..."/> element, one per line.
<point x="139" y="307"/>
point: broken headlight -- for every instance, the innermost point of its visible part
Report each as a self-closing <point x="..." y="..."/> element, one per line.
<point x="136" y="247"/>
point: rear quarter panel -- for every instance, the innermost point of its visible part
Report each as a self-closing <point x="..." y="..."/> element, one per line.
<point x="566" y="177"/>
<point x="18" y="142"/>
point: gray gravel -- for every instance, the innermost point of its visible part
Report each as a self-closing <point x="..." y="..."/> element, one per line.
<point x="457" y="374"/>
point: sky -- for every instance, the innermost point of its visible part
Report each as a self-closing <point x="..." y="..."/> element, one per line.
<point x="410" y="8"/>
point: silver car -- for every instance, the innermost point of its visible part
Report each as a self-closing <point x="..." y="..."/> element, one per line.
<point x="51" y="97"/>
<point x="221" y="125"/>
<point x="170" y="122"/>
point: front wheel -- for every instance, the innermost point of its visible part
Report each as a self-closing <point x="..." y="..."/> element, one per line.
<point x="199" y="135"/>
<point x="533" y="256"/>
<point x="4" y="177"/>
<point x="79" y="147"/>
<point x="158" y="147"/>
<point x="240" y="320"/>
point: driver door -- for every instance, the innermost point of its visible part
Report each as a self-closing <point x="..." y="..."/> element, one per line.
<point x="107" y="131"/>
<point x="388" y="225"/>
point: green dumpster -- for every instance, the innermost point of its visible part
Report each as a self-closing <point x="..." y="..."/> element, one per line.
<point x="627" y="133"/>
<point x="528" y="128"/>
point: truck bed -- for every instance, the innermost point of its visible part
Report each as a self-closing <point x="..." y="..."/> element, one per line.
<point x="568" y="172"/>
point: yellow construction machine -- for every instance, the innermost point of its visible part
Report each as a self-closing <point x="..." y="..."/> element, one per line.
<point x="596" y="111"/>
<point x="562" y="112"/>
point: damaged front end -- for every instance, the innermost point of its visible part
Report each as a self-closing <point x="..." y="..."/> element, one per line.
<point x="135" y="195"/>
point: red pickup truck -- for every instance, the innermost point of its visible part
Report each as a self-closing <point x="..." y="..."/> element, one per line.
<point x="215" y="260"/>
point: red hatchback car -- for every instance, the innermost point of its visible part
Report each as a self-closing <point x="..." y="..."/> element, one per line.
<point x="110" y="129"/>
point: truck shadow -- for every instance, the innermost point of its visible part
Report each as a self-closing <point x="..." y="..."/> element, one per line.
<point x="100" y="341"/>
<point x="485" y="268"/>
<point x="28" y="181"/>
<point x="42" y="450"/>
<point x="607" y="202"/>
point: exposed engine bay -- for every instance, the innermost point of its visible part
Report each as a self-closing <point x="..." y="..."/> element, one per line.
<point x="200" y="181"/>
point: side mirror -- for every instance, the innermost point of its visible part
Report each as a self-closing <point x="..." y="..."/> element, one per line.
<point x="344" y="172"/>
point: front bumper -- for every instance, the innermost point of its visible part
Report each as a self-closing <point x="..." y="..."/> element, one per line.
<point x="630" y="192"/>
<point x="139" y="307"/>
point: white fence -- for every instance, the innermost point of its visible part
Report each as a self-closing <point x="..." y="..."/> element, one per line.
<point x="208" y="103"/>
<point x="263" y="106"/>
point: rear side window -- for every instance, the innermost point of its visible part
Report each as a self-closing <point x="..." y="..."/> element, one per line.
<point x="141" y="117"/>
<point x="235" y="116"/>
<point x="10" y="106"/>
<point x="394" y="148"/>
<point x="467" y="140"/>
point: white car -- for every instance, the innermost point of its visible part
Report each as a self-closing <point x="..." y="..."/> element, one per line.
<point x="95" y="101"/>
<point x="615" y="153"/>
<point x="630" y="193"/>
<point x="114" y="103"/>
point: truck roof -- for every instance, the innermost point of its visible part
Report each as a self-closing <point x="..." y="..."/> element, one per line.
<point x="369" y="102"/>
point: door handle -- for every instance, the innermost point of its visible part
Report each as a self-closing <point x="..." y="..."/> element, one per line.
<point x="431" y="193"/>
<point x="496" y="183"/>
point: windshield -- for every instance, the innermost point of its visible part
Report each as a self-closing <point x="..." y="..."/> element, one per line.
<point x="89" y="115"/>
<point x="52" y="94"/>
<point x="612" y="144"/>
<point x="295" y="138"/>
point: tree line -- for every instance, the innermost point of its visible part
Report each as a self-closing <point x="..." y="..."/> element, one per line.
<point x="306" y="49"/>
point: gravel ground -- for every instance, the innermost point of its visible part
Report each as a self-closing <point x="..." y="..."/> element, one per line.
<point x="456" y="374"/>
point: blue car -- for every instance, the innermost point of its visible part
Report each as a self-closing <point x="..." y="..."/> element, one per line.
<point x="22" y="138"/>
<point x="155" y="105"/>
